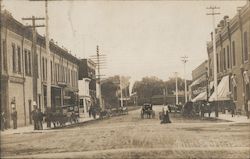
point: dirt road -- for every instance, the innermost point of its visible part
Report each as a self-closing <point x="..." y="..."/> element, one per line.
<point x="129" y="136"/>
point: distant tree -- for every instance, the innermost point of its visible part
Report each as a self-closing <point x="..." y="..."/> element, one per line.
<point x="109" y="92"/>
<point x="148" y="87"/>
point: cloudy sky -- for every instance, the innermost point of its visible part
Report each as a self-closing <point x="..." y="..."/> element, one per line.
<point x="140" y="38"/>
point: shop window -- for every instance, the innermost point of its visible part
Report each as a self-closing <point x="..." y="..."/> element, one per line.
<point x="81" y="103"/>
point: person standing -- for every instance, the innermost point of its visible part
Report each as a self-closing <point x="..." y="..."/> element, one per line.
<point x="14" y="118"/>
<point x="40" y="119"/>
<point x="233" y="109"/>
<point x="35" y="116"/>
<point x="48" y="115"/>
<point x="3" y="120"/>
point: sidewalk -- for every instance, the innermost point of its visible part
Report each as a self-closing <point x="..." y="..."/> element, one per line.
<point x="30" y="128"/>
<point x="228" y="117"/>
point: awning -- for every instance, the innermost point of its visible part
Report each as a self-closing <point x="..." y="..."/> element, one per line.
<point x="201" y="96"/>
<point x="222" y="89"/>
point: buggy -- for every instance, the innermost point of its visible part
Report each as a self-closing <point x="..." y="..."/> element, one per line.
<point x="147" y="110"/>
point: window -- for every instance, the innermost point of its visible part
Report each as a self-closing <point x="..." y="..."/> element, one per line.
<point x="43" y="68"/>
<point x="26" y="61"/>
<point x="14" y="57"/>
<point x="217" y="63"/>
<point x="245" y="47"/>
<point x="224" y="58"/>
<point x="221" y="61"/>
<point x="51" y="71"/>
<point x="228" y="57"/>
<point x="29" y="61"/>
<point x="233" y="49"/>
<point x="46" y="69"/>
<point x="55" y="73"/>
<point x="81" y="103"/>
<point x="4" y="56"/>
<point x="19" y="59"/>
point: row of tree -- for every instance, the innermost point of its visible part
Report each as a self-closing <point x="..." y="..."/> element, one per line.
<point x="145" y="88"/>
<point x="150" y="86"/>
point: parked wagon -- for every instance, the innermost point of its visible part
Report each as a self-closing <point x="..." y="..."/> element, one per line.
<point x="147" y="111"/>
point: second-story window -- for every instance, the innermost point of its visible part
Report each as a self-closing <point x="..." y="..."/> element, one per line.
<point x="26" y="61"/>
<point x="245" y="47"/>
<point x="19" y="59"/>
<point x="14" y="57"/>
<point x="29" y="59"/>
<point x="233" y="52"/>
<point x="224" y="58"/>
<point x="217" y="63"/>
<point x="228" y="57"/>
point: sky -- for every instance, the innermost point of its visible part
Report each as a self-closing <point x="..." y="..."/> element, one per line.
<point x="139" y="38"/>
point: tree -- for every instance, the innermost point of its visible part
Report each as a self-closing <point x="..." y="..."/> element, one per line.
<point x="148" y="87"/>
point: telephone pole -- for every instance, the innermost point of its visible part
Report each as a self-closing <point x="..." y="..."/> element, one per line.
<point x="213" y="13"/>
<point x="185" y="60"/>
<point x="48" y="56"/>
<point x="34" y="57"/>
<point x="1" y="56"/>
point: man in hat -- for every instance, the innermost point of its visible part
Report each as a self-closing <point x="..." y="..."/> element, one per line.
<point x="34" y="114"/>
<point x="14" y="118"/>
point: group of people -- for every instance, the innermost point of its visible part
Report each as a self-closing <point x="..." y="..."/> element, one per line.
<point x="4" y="119"/>
<point x="93" y="108"/>
<point x="37" y="116"/>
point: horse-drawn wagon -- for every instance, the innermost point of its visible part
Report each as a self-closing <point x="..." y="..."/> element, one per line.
<point x="147" y="110"/>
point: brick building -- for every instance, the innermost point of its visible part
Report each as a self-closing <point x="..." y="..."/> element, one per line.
<point x="24" y="72"/>
<point x="233" y="54"/>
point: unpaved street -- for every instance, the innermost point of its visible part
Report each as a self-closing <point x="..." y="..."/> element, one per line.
<point x="129" y="136"/>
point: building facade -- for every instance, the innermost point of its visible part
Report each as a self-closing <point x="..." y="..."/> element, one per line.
<point x="87" y="84"/>
<point x="233" y="54"/>
<point x="200" y="80"/>
<point x="24" y="72"/>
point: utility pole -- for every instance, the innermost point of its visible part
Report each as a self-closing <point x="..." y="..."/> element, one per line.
<point x="184" y="60"/>
<point x="213" y="13"/>
<point x="99" y="76"/>
<point x="99" y="60"/>
<point x="1" y="57"/>
<point x="34" y="57"/>
<point x="176" y="88"/>
<point x="121" y="91"/>
<point x="48" y="56"/>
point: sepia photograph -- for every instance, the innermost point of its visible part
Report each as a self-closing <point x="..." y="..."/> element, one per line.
<point x="125" y="79"/>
